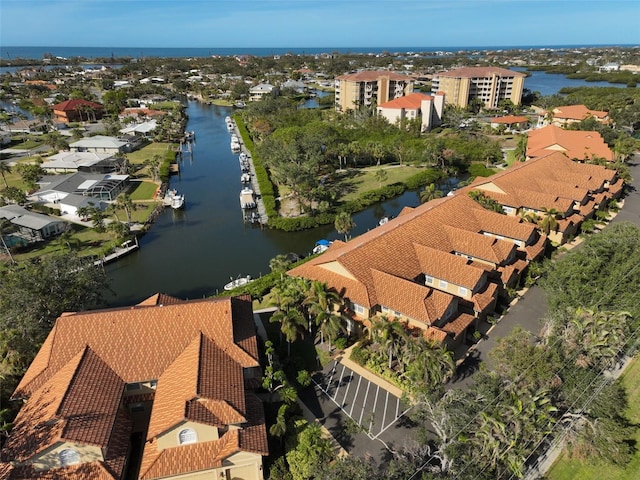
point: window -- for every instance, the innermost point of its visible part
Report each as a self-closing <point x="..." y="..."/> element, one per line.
<point x="428" y="279"/>
<point x="443" y="284"/>
<point x="68" y="456"/>
<point x="462" y="291"/>
<point x="187" y="436"/>
<point x="508" y="210"/>
<point x="358" y="308"/>
<point x="132" y="386"/>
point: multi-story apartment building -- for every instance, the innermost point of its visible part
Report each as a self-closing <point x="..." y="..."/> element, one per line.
<point x="370" y="88"/>
<point x="489" y="84"/>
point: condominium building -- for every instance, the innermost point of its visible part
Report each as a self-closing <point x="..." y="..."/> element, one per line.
<point x="489" y="84"/>
<point x="370" y="88"/>
<point x="428" y="109"/>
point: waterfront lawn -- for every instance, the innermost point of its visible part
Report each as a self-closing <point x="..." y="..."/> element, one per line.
<point x="354" y="182"/>
<point x="147" y="152"/>
<point x="574" y="469"/>
<point x="83" y="239"/>
<point x="143" y="191"/>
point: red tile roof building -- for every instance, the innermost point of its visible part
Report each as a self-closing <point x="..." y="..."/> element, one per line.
<point x="369" y="88"/>
<point x="168" y="378"/>
<point x="77" y="110"/>
<point x="489" y="84"/>
<point x="428" y="109"/>
<point x="574" y="144"/>
<point x="441" y="266"/>
<point x="568" y="114"/>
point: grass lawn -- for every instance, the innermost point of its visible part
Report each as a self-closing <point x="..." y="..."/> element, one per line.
<point x="147" y="152"/>
<point x="143" y="191"/>
<point x="572" y="469"/>
<point x="356" y="182"/>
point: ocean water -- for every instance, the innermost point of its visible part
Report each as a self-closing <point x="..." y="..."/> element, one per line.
<point x="8" y="52"/>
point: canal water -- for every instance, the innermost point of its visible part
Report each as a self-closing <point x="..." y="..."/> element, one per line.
<point x="194" y="252"/>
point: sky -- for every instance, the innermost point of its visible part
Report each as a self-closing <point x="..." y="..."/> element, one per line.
<point x="317" y="23"/>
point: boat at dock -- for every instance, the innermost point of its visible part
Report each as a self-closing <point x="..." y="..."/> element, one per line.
<point x="238" y="282"/>
<point x="173" y="199"/>
<point x="247" y="199"/>
<point x="245" y="178"/>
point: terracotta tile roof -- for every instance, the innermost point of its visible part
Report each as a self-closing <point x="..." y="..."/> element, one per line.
<point x="143" y="340"/>
<point x="75" y="104"/>
<point x="480" y="72"/>
<point x="435" y="334"/>
<point x="578" y="112"/>
<point x="372" y="76"/>
<point x="510" y="119"/>
<point x="412" y="101"/>
<point x="84" y="471"/>
<point x="411" y="299"/>
<point x="197" y="351"/>
<point x="447" y="266"/>
<point x="575" y="144"/>
<point x="485" y="297"/>
<point x="458" y="324"/>
<point x="479" y="246"/>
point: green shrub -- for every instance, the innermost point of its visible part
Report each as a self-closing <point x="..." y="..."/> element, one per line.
<point x="479" y="170"/>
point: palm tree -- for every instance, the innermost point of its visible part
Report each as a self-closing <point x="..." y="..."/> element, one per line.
<point x="344" y="223"/>
<point x="390" y="335"/>
<point x="428" y="364"/>
<point x="124" y="202"/>
<point x="549" y="220"/>
<point x="4" y="169"/>
<point x="322" y="305"/>
<point x="429" y="193"/>
<point x="381" y="176"/>
<point x="279" y="263"/>
<point x="65" y="238"/>
<point x="292" y="324"/>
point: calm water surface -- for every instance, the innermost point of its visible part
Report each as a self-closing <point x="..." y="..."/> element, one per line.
<point x="194" y="252"/>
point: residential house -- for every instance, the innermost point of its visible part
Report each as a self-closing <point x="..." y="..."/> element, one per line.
<point x="488" y="84"/>
<point x="439" y="267"/>
<point x="101" y="144"/>
<point x="258" y="92"/>
<point x="160" y="390"/>
<point x="552" y="182"/>
<point x="370" y="88"/>
<point x="510" y="122"/>
<point x="106" y="187"/>
<point x="86" y="162"/>
<point x="77" y="110"/>
<point x="143" y="129"/>
<point x="32" y="226"/>
<point x="575" y="144"/>
<point x="568" y="114"/>
<point x="428" y="109"/>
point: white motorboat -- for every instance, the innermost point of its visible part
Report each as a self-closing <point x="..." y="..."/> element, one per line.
<point x="173" y="199"/>
<point x="245" y="178"/>
<point x="238" y="282"/>
<point x="383" y="220"/>
<point x="247" y="200"/>
<point x="321" y="246"/>
<point x="244" y="157"/>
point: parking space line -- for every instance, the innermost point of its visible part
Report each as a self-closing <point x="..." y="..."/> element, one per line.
<point x="333" y="370"/>
<point x="348" y="387"/>
<point x="375" y="404"/>
<point x="391" y="424"/>
<point x="356" y="395"/>
<point x="338" y="385"/>
<point x="384" y="412"/>
<point x="366" y="395"/>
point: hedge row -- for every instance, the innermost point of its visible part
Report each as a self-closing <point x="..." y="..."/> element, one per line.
<point x="165" y="167"/>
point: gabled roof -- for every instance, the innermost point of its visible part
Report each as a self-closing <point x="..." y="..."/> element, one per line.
<point x="480" y="72"/>
<point x="575" y="144"/>
<point x="22" y="217"/>
<point x="413" y="101"/>
<point x="98" y="141"/>
<point x="578" y="112"/>
<point x="75" y="104"/>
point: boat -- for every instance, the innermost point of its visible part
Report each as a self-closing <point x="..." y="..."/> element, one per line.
<point x="227" y="119"/>
<point x="321" y="246"/>
<point x="247" y="200"/>
<point x="238" y="282"/>
<point x="239" y="104"/>
<point x="173" y="199"/>
<point x="245" y="178"/>
<point x="383" y="220"/>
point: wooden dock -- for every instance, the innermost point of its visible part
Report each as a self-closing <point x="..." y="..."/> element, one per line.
<point x="125" y="249"/>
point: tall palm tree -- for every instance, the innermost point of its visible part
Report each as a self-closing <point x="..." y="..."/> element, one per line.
<point x="279" y="263"/>
<point x="344" y="223"/>
<point x="549" y="221"/>
<point x="4" y="169"/>
<point x="390" y="335"/>
<point x="124" y="202"/>
<point x="292" y="324"/>
<point x="428" y="364"/>
<point x="429" y="193"/>
<point x="323" y="306"/>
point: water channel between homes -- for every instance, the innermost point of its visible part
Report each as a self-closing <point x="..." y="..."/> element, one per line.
<point x="193" y="252"/>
